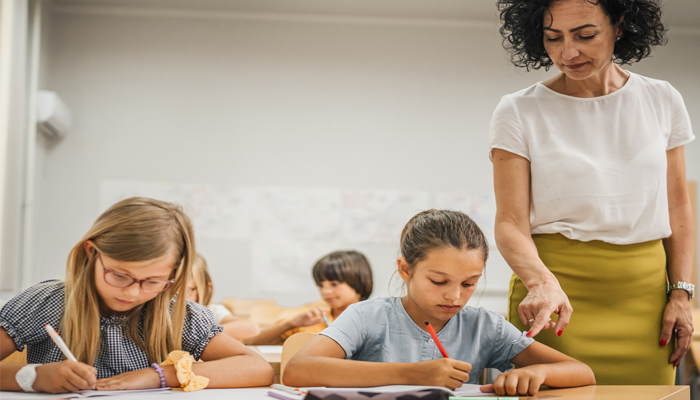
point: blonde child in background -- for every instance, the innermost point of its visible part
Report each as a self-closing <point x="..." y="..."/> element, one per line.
<point x="343" y="278"/>
<point x="121" y="311"/>
<point x="200" y="289"/>
<point x="386" y="342"/>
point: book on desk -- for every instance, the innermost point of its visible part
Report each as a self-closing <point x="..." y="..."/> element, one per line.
<point x="392" y="392"/>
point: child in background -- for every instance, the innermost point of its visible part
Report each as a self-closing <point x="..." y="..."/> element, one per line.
<point x="119" y="314"/>
<point x="200" y="289"/>
<point x="343" y="278"/>
<point x="385" y="341"/>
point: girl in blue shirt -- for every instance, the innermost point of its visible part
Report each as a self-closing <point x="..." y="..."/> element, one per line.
<point x="385" y="342"/>
<point x="121" y="310"/>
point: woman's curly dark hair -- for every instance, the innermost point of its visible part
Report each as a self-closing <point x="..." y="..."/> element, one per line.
<point x="523" y="34"/>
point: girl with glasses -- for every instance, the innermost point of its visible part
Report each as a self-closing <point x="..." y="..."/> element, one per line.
<point x="121" y="310"/>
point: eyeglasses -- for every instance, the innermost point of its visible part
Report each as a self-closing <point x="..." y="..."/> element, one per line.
<point x="119" y="280"/>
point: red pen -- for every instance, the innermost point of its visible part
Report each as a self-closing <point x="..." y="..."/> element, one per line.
<point x="435" y="338"/>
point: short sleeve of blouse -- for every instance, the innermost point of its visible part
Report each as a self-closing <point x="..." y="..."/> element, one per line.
<point x="506" y="131"/>
<point x="509" y="342"/>
<point x="24" y="317"/>
<point x="199" y="327"/>
<point x="349" y="330"/>
<point x="681" y="131"/>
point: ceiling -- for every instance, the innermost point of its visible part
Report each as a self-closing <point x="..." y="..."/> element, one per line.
<point x="678" y="13"/>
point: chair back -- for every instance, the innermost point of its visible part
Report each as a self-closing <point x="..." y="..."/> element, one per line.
<point x="18" y="357"/>
<point x="265" y="314"/>
<point x="293" y="344"/>
<point x="241" y="307"/>
<point x="290" y="312"/>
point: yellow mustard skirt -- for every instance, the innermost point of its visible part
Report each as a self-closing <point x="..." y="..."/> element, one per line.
<point x="618" y="293"/>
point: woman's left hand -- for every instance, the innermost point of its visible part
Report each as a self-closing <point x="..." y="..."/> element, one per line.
<point x="146" y="378"/>
<point x="678" y="317"/>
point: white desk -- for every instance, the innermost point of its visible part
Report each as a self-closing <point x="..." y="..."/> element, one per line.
<point x="273" y="355"/>
<point x="583" y="393"/>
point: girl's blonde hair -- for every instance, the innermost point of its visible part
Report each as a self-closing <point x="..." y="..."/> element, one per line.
<point x="135" y="229"/>
<point x="202" y="280"/>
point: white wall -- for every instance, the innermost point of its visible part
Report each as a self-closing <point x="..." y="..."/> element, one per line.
<point x="44" y="144"/>
<point x="256" y="102"/>
<point x="13" y="161"/>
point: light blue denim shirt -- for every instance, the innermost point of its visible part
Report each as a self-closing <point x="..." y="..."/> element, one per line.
<point x="381" y="330"/>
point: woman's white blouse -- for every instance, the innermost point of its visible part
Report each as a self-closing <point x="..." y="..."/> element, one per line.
<point x="598" y="165"/>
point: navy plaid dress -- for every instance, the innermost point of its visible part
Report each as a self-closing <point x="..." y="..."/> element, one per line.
<point x="24" y="318"/>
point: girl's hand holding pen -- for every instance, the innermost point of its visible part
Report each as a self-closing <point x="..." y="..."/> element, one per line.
<point x="445" y="372"/>
<point x="310" y="317"/>
<point x="64" y="377"/>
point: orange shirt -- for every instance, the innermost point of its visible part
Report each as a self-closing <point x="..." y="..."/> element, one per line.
<point x="312" y="328"/>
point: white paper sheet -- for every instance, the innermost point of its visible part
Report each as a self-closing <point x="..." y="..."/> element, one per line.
<point x="270" y="349"/>
<point x="81" y="394"/>
<point x="378" y="216"/>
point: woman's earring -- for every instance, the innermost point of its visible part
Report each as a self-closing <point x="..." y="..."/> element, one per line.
<point x="617" y="39"/>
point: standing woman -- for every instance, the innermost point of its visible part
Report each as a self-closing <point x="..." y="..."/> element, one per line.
<point x="589" y="175"/>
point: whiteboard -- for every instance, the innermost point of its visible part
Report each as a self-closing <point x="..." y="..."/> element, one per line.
<point x="263" y="241"/>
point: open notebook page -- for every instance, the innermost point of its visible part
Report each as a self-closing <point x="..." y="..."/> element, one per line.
<point x="80" y="394"/>
<point x="467" y="390"/>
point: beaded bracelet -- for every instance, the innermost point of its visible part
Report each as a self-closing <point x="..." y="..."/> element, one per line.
<point x="182" y="360"/>
<point x="159" y="370"/>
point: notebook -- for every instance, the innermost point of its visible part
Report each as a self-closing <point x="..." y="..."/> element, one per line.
<point x="80" y="394"/>
<point x="381" y="392"/>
